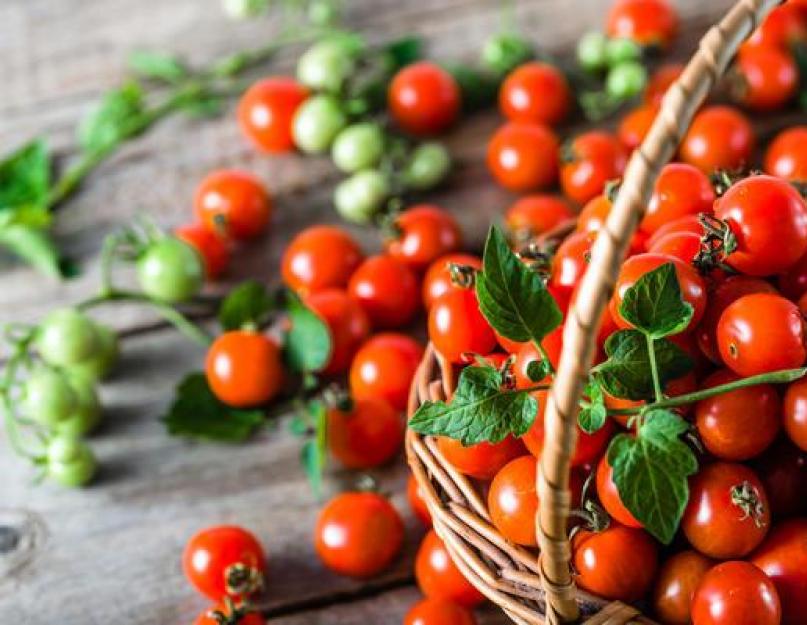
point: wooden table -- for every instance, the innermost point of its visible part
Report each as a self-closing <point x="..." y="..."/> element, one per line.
<point x="110" y="553"/>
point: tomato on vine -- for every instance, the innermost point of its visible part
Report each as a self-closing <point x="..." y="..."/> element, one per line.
<point x="209" y="245"/>
<point x="233" y="203"/>
<point x="719" y="137"/>
<point x="48" y="397"/>
<point x="680" y="190"/>
<point x="795" y="413"/>
<point x="320" y="257"/>
<point x="366" y="434"/>
<point x="439" y="578"/>
<point x="588" y="162"/>
<point x="535" y="214"/>
<point x="647" y="22"/>
<point x="66" y="337"/>
<point x="70" y="461"/>
<point x="424" y="99"/>
<point x="765" y="79"/>
<point x="482" y="460"/>
<point x="347" y="323"/>
<point x="523" y="156"/>
<point x="736" y="593"/>
<point x="678" y="579"/>
<point x="421" y="234"/>
<point x="535" y="92"/>
<point x="266" y="110"/>
<point x="387" y="290"/>
<point x="432" y="611"/>
<point x="439" y="277"/>
<point x="457" y="327"/>
<point x="785" y="156"/>
<point x="383" y="368"/>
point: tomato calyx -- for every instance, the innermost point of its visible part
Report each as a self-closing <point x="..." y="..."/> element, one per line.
<point x="595" y="518"/>
<point x="538" y="256"/>
<point x="232" y="614"/>
<point x="611" y="189"/>
<point x="723" y="179"/>
<point x="462" y="276"/>
<point x="747" y="498"/>
<point x="242" y="580"/>
<point x="718" y="242"/>
<point x="335" y="396"/>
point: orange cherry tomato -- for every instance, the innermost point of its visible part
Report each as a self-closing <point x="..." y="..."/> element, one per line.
<point x="431" y="611"/>
<point x="266" y="110"/>
<point x="527" y="353"/>
<point x="766" y="79"/>
<point x="786" y="157"/>
<point x="636" y="124"/>
<point x="383" y="368"/>
<point x="736" y="593"/>
<point x="795" y="413"/>
<point x="660" y="81"/>
<point x="535" y="214"/>
<point x="438" y="280"/>
<point x="535" y="92"/>
<point x="439" y="578"/>
<point x="523" y="156"/>
<point x="608" y="495"/>
<point x="211" y="247"/>
<point x="588" y="162"/>
<point x="416" y="501"/>
<point x="387" y="290"/>
<point x="678" y="578"/>
<point x="320" y="257"/>
<point x="424" y="99"/>
<point x="513" y="502"/>
<point x="423" y="233"/>
<point x="233" y="203"/>
<point x="482" y="460"/>
<point x="244" y="368"/>
<point x="367" y="435"/>
<point x="457" y="327"/>
<point x="347" y="324"/>
<point x="647" y="22"/>
<point x="680" y="190"/>
<point x="570" y="263"/>
<point x="719" y="137"/>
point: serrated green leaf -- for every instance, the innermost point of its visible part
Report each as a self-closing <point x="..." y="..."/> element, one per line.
<point x="157" y="65"/>
<point x="650" y="471"/>
<point x="247" y="304"/>
<point x="197" y="413"/>
<point x="25" y="178"/>
<point x="593" y="416"/>
<point x="627" y="373"/>
<point x="34" y="246"/>
<point x="654" y="303"/>
<point x="113" y="119"/>
<point x="479" y="411"/>
<point x="308" y="342"/>
<point x="513" y="298"/>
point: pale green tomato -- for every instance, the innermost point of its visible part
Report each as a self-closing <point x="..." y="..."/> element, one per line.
<point x="71" y="462"/>
<point x="87" y="413"/>
<point x="428" y="165"/>
<point x="626" y="80"/>
<point x="48" y="397"/>
<point x="620" y="50"/>
<point x="316" y="123"/>
<point x="361" y="196"/>
<point x="170" y="271"/>
<point x="591" y="51"/>
<point x="99" y="366"/>
<point x="67" y="336"/>
<point x="325" y="66"/>
<point x="358" y="147"/>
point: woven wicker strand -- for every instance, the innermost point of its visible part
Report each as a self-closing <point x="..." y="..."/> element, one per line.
<point x="531" y="590"/>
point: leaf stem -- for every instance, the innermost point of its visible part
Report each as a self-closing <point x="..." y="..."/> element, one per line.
<point x="19" y="356"/>
<point x="544" y="355"/>
<point x="651" y="352"/>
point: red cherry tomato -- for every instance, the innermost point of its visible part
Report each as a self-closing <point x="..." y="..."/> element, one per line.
<point x="416" y="501"/>
<point x="536" y="214"/>
<point x="727" y="515"/>
<point x="482" y="460"/>
<point x="347" y="324"/>
<point x="457" y="327"/>
<point x="636" y="124"/>
<point x="211" y="247"/>
<point x="368" y="435"/>
<point x="209" y="617"/>
<point x="233" y="203"/>
<point x="588" y="162"/>
<point x="513" y="502"/>
<point x="536" y="93"/>
<point x="438" y="280"/>
<point x="719" y="137"/>
<point x="784" y="26"/>
<point x="244" y="368"/>
<point x="617" y="563"/>
<point x="570" y="262"/>
<point x="647" y="22"/>
<point x="527" y="353"/>
<point x="766" y="79"/>
<point x="438" y="612"/>
<point x="783" y="471"/>
<point x="786" y="156"/>
<point x="320" y="257"/>
<point x="216" y="558"/>
<point x="690" y="223"/>
<point x="761" y="332"/>
<point x="266" y="110"/>
<point x="439" y="578"/>
<point x="682" y="245"/>
<point x="680" y="190"/>
<point x="793" y="283"/>
<point x="795" y="413"/>
<point x="387" y="290"/>
<point x="594" y="213"/>
<point x="523" y="156"/>
<point x="660" y="81"/>
<point x="608" y="495"/>
<point x="424" y="99"/>
<point x="383" y="368"/>
<point x="736" y="593"/>
<point x="423" y="233"/>
<point x="783" y="558"/>
<point x="678" y="578"/>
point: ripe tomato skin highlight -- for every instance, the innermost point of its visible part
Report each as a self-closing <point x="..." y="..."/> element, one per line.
<point x="347" y="324"/>
<point x="513" y="502"/>
<point x="617" y="563"/>
<point x="767" y="78"/>
<point x="417" y="502"/>
<point x="320" y="257"/>
<point x="647" y="22"/>
<point x="233" y="203"/>
<point x="678" y="578"/>
<point x="751" y="207"/>
<point x="244" y="368"/>
<point x="366" y="436"/>
<point x="438" y="577"/>
<point x="608" y="495"/>
<point x="680" y="190"/>
<point x="739" y="424"/>
<point x="715" y="520"/>
<point x="438" y="276"/>
<point x="783" y="558"/>
<point x="423" y="99"/>
<point x="482" y="460"/>
<point x="456" y="326"/>
<point x="736" y="593"/>
<point x="636" y="124"/>
<point x="785" y="156"/>
<point x="438" y="612"/>
<point x="795" y="413"/>
<point x="589" y="161"/>
<point x="720" y="137"/>
<point x="535" y="92"/>
<point x="537" y="213"/>
<point x="211" y="247"/>
<point x="523" y="156"/>
<point x="212" y="551"/>
<point x="425" y="232"/>
<point x="387" y="290"/>
<point x="383" y="368"/>
<point x="761" y="332"/>
<point x="265" y="112"/>
<point x="783" y="471"/>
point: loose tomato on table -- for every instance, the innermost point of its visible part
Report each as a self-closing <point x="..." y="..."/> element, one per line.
<point x="424" y="99"/>
<point x="736" y="593"/>
<point x="719" y="137"/>
<point x="417" y="502"/>
<point x="795" y="413"/>
<point x="365" y="435"/>
<point x="347" y="324"/>
<point x="210" y="617"/>
<point x="680" y="190"/>
<point x="211" y="247"/>
<point x="422" y="234"/>
<point x="438" y="278"/>
<point x="432" y="611"/>
<point x="523" y="156"/>
<point x="244" y="368"/>
<point x="438" y="577"/>
<point x="535" y="92"/>
<point x="482" y="460"/>
<point x="765" y="79"/>
<point x="678" y="579"/>
<point x="170" y="270"/>
<point x="635" y="125"/>
<point x="609" y="497"/>
<point x="457" y="327"/>
<point x="647" y="22"/>
<point x="383" y="368"/>
<point x="786" y="157"/>
<point x="266" y="110"/>
<point x="536" y="214"/>
<point x="320" y="257"/>
<point x="387" y="290"/>
<point x="588" y="162"/>
<point x="233" y="203"/>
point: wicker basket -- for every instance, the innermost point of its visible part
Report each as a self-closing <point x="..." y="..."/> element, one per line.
<point x="534" y="589"/>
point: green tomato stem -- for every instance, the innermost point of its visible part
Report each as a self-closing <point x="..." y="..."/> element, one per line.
<point x="651" y="352"/>
<point x="15" y="439"/>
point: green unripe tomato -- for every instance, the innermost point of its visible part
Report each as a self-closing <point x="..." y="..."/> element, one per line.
<point x="626" y="80"/>
<point x="99" y="366"/>
<point x="428" y="164"/>
<point x="170" y="271"/>
<point x="503" y="52"/>
<point x="316" y="123"/>
<point x="323" y="12"/>
<point x="66" y="337"/>
<point x="71" y="462"/>
<point x="591" y="51"/>
<point x="244" y="9"/>
<point x="361" y="196"/>
<point x="325" y="66"/>
<point x="358" y="147"/>
<point x="87" y="413"/>
<point x="620" y="50"/>
<point x="48" y="397"/>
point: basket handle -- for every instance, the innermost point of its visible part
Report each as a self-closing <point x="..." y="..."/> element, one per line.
<point x="715" y="52"/>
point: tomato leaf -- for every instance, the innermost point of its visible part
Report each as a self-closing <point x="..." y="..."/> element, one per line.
<point x="34" y="246"/>
<point x="654" y="304"/>
<point x="314" y="452"/>
<point x="25" y="177"/>
<point x="593" y="416"/>
<point x="157" y="66"/>
<point x="478" y="88"/>
<point x="403" y="51"/>
<point x="479" y="411"/>
<point x="651" y="471"/>
<point x="248" y="304"/>
<point x="113" y="119"/>
<point x="627" y="372"/>
<point x="308" y="341"/>
<point x="537" y="370"/>
<point x="513" y="298"/>
<point x="197" y="413"/>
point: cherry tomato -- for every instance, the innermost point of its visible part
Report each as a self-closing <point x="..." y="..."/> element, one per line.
<point x="766" y="79"/>
<point x="783" y="27"/>
<point x="690" y="223"/>
<point x="636" y="124"/>
<point x="783" y="558"/>
<point x="594" y="213"/>
<point x="383" y="368"/>
<point x="423" y="233"/>
<point x="211" y="247"/>
<point x="209" y="617"/>
<point x="588" y="162"/>
<point x="536" y="93"/>
<point x="320" y="257"/>
<point x="736" y="593"/>
<point x="367" y="435"/>
<point x="608" y="495"/>
<point x="678" y="578"/>
<point x="438" y="280"/>
<point x="527" y="353"/>
<point x="457" y="327"/>
<point x="416" y="501"/>
<point x="617" y="563"/>
<point x="786" y="157"/>
<point x="244" y="368"/>
<point x="438" y="612"/>
<point x="233" y="203"/>
<point x="727" y="515"/>
<point x="719" y="137"/>
<point x="216" y="560"/>
<point x="647" y="22"/>
<point x="783" y="471"/>
<point x="570" y="262"/>
<point x="693" y="289"/>
<point x="347" y="323"/>
<point x="535" y="214"/>
<point x="170" y="270"/>
<point x="660" y="81"/>
<point x="523" y="156"/>
<point x="513" y="502"/>
<point x="424" y="99"/>
<point x="439" y="578"/>
<point x="482" y="460"/>
<point x="761" y="332"/>
<point x="358" y="534"/>
<point x="682" y="245"/>
<point x="680" y="190"/>
<point x="795" y="413"/>
<point x="387" y="290"/>
<point x="70" y="461"/>
<point x="266" y="110"/>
